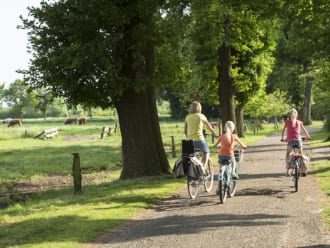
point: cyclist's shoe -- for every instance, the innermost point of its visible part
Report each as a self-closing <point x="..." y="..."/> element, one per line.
<point x="235" y="176"/>
<point x="303" y="174"/>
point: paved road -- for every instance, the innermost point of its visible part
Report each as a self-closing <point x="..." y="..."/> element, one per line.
<point x="265" y="212"/>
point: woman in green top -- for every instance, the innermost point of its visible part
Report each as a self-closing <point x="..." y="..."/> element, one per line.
<point x="193" y="129"/>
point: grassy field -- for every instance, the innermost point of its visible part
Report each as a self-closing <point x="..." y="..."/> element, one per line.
<point x="55" y="217"/>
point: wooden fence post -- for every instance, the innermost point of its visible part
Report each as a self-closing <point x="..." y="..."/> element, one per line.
<point x="102" y="132"/>
<point x="173" y="147"/>
<point x="76" y="173"/>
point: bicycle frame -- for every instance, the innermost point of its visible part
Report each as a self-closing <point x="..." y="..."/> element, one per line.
<point x="227" y="186"/>
<point x="226" y="170"/>
<point x="296" y="167"/>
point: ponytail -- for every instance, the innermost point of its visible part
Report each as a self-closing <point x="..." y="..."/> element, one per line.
<point x="229" y="129"/>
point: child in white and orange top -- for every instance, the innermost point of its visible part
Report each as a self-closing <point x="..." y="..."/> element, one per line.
<point x="226" y="143"/>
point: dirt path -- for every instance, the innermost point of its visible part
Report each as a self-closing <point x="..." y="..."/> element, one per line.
<point x="265" y="211"/>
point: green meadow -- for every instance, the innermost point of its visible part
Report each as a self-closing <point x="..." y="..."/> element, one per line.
<point x="38" y="212"/>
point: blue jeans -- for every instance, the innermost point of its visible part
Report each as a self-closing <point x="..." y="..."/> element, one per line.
<point x="230" y="158"/>
<point x="202" y="146"/>
<point x="295" y="143"/>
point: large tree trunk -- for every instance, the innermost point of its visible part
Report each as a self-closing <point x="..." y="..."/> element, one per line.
<point x="239" y="120"/>
<point x="306" y="112"/>
<point x="225" y="80"/>
<point x="143" y="153"/>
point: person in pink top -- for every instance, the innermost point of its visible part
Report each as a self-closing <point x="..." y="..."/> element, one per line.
<point x="293" y="127"/>
<point x="226" y="143"/>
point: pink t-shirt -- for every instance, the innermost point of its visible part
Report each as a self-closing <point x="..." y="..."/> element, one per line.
<point x="293" y="131"/>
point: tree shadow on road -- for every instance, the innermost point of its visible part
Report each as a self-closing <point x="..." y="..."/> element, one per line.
<point x="185" y="225"/>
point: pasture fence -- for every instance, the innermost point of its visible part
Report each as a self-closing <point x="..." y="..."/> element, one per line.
<point x="76" y="173"/>
<point x="108" y="131"/>
<point x="48" y="133"/>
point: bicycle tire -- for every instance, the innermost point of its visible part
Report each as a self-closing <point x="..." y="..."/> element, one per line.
<point x="232" y="188"/>
<point x="208" y="181"/>
<point x="193" y="187"/>
<point x="296" y="175"/>
<point x="222" y="190"/>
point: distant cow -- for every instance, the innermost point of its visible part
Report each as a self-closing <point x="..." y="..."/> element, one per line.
<point x="82" y="120"/>
<point x="6" y="121"/>
<point x="70" y="121"/>
<point x="14" y="122"/>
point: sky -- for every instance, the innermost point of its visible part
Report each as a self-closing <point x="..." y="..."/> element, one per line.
<point x="13" y="41"/>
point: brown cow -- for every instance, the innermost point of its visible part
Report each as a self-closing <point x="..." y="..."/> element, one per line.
<point x="70" y="121"/>
<point x="14" y="122"/>
<point x="6" y="121"/>
<point x="82" y="120"/>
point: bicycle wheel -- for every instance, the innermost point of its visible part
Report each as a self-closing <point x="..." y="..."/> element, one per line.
<point x="193" y="187"/>
<point x="296" y="175"/>
<point x="232" y="188"/>
<point x="222" y="190"/>
<point x="208" y="180"/>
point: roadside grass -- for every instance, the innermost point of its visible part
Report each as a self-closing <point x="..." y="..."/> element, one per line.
<point x="321" y="170"/>
<point x="59" y="218"/>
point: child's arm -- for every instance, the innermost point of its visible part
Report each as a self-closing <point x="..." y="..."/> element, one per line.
<point x="283" y="130"/>
<point x="241" y="143"/>
<point x="218" y="142"/>
<point x="306" y="132"/>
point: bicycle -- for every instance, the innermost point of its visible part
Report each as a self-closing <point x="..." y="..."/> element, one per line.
<point x="226" y="183"/>
<point x="239" y="154"/>
<point x="295" y="163"/>
<point x="190" y="157"/>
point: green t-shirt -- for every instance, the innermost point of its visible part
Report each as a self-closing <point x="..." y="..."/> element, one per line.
<point x="195" y="124"/>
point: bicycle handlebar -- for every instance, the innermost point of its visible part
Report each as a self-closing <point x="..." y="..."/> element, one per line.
<point x="303" y="139"/>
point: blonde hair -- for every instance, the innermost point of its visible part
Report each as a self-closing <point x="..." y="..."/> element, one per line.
<point x="229" y="128"/>
<point x="195" y="107"/>
<point x="293" y="113"/>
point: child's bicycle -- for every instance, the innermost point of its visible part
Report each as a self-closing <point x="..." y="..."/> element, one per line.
<point x="190" y="158"/>
<point x="226" y="183"/>
<point x="295" y="164"/>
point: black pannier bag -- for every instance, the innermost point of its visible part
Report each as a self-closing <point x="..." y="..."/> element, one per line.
<point x="187" y="148"/>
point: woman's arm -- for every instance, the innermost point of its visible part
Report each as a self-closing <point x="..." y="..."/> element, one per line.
<point x="209" y="126"/>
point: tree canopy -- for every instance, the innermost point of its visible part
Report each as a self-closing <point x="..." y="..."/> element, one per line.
<point x="123" y="53"/>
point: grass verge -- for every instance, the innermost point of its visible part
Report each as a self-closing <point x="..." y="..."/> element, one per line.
<point x="321" y="170"/>
<point x="58" y="218"/>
